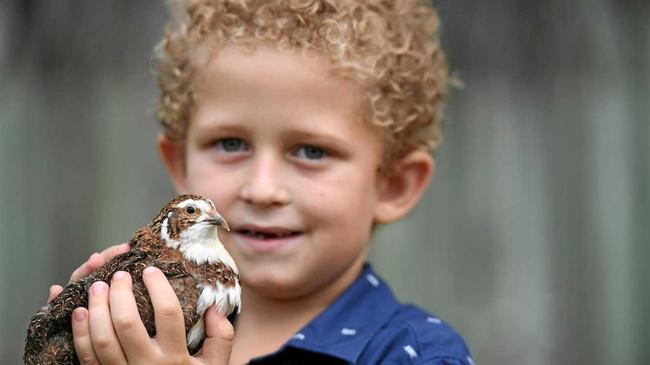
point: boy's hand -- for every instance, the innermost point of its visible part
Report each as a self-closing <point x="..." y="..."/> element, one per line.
<point x="94" y="262"/>
<point x="110" y="331"/>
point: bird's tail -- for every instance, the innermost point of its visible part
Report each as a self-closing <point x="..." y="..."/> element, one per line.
<point x="49" y="336"/>
<point x="57" y="349"/>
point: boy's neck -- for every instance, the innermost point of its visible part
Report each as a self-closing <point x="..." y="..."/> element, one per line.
<point x="265" y="324"/>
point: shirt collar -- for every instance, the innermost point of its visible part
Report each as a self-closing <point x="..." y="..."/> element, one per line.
<point x="344" y="329"/>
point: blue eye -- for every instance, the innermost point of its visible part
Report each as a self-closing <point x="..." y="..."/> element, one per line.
<point x="231" y="144"/>
<point x="311" y="152"/>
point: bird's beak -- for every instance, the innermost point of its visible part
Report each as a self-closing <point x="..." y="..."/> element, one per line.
<point x="219" y="221"/>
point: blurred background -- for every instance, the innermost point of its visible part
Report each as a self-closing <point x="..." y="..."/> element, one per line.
<point x="532" y="239"/>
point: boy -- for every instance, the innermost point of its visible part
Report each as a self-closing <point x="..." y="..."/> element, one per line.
<point x="308" y="124"/>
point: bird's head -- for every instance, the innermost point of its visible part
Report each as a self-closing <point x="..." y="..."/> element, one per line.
<point x="190" y="219"/>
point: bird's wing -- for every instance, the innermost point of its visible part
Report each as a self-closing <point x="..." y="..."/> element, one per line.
<point x="75" y="294"/>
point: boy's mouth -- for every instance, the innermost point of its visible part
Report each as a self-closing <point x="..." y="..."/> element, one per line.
<point x="267" y="233"/>
<point x="266" y="240"/>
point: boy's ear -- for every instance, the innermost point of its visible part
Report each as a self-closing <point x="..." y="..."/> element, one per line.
<point x="401" y="189"/>
<point x="171" y="156"/>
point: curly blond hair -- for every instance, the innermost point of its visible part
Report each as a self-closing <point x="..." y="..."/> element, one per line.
<point x="391" y="46"/>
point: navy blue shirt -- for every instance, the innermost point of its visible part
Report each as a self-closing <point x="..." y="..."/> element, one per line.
<point x="367" y="325"/>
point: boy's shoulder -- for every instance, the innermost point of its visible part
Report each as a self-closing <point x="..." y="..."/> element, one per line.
<point x="367" y="325"/>
<point x="414" y="336"/>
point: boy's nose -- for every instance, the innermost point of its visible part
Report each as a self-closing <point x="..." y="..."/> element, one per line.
<point x="263" y="187"/>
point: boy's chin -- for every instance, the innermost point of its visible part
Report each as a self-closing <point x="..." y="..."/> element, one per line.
<point x="273" y="286"/>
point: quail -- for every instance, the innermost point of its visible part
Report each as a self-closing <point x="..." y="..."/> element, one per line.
<point x="182" y="242"/>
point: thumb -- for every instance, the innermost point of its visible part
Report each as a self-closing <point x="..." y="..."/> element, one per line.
<point x="218" y="341"/>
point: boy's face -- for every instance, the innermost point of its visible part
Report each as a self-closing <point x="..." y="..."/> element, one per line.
<point x="277" y="143"/>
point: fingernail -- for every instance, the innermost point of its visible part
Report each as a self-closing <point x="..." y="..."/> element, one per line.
<point x="119" y="275"/>
<point x="149" y="270"/>
<point x="98" y="287"/>
<point x="125" y="247"/>
<point x="79" y="314"/>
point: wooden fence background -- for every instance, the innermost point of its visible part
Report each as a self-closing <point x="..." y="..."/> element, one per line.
<point x="532" y="240"/>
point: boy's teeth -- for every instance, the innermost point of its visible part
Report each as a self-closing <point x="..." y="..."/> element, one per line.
<point x="262" y="235"/>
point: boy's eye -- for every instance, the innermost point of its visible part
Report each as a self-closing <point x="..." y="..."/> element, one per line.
<point x="231" y="144"/>
<point x="311" y="152"/>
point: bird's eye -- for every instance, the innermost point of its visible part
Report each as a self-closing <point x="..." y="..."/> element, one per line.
<point x="190" y="209"/>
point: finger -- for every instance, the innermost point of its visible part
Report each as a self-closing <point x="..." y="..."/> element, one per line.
<point x="103" y="337"/>
<point x="81" y="337"/>
<point x="128" y="326"/>
<point x="168" y="315"/>
<point x="94" y="261"/>
<point x="97" y="260"/>
<point x="80" y="272"/>
<point x="55" y="290"/>
<point x="115" y="250"/>
<point x="219" y="336"/>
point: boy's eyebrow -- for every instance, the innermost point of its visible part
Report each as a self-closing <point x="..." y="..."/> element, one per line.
<point x="219" y="127"/>
<point x="318" y="135"/>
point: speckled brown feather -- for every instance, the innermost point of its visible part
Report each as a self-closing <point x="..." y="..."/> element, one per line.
<point x="49" y="337"/>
